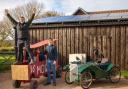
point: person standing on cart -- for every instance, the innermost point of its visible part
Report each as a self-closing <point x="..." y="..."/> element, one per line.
<point x="51" y="52"/>
<point x="22" y="29"/>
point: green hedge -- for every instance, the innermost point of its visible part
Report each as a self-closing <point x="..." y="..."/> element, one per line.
<point x="4" y="68"/>
<point x="6" y="49"/>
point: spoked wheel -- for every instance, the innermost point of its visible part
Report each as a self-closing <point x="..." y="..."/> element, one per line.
<point x="67" y="77"/>
<point x="33" y="84"/>
<point x="115" y="75"/>
<point x="16" y="83"/>
<point x="86" y="80"/>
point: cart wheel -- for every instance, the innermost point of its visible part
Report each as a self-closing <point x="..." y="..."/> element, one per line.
<point x="16" y="83"/>
<point x="33" y="84"/>
<point x="115" y="74"/>
<point x="86" y="80"/>
<point x="67" y="77"/>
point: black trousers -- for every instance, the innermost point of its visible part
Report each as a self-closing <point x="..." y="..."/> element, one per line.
<point x="20" y="45"/>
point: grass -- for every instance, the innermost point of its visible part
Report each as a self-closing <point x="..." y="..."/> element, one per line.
<point x="124" y="74"/>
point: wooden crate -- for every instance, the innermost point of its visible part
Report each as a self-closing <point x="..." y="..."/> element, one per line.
<point x="20" y="72"/>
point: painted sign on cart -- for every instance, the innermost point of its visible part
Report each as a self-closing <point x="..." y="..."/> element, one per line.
<point x="74" y="67"/>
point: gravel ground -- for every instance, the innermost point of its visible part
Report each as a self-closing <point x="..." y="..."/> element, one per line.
<point x="5" y="83"/>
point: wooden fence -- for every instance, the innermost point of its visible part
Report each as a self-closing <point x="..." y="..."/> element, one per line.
<point x="112" y="40"/>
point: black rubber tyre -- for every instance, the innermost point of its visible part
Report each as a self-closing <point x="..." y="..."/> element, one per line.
<point x="67" y="77"/>
<point x="16" y="83"/>
<point x="33" y="84"/>
<point x="115" y="74"/>
<point x="86" y="80"/>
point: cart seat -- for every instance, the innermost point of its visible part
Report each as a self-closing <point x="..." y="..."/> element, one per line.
<point x="104" y="66"/>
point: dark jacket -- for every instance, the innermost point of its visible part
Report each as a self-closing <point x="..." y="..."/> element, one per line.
<point x="22" y="28"/>
<point x="51" y="51"/>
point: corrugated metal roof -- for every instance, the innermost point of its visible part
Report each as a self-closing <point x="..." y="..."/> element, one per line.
<point x="76" y="18"/>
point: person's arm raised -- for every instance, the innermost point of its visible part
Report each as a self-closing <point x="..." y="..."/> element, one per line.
<point x="10" y="17"/>
<point x="32" y="17"/>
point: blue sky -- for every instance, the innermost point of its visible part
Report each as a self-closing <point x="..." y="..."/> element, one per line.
<point x="68" y="6"/>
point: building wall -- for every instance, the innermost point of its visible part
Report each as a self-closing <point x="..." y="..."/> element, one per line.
<point x="112" y="40"/>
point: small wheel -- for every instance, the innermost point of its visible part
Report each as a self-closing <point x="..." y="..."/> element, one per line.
<point x="16" y="83"/>
<point x="33" y="84"/>
<point x="115" y="74"/>
<point x="67" y="77"/>
<point x="86" y="80"/>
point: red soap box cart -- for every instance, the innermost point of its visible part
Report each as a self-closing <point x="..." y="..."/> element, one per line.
<point x="26" y="73"/>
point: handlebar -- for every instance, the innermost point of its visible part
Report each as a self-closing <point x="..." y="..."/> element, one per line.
<point x="76" y="62"/>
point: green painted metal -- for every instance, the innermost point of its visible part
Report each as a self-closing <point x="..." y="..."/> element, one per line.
<point x="66" y="67"/>
<point x="110" y="67"/>
<point x="85" y="67"/>
<point x="97" y="70"/>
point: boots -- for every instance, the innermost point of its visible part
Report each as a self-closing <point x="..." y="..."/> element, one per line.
<point x="18" y="62"/>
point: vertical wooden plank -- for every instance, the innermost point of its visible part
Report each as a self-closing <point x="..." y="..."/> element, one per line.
<point x="37" y="35"/>
<point x="89" y="37"/>
<point x="85" y="40"/>
<point x="45" y="34"/>
<point x="76" y="40"/>
<point x="72" y="40"/>
<point x="56" y="37"/>
<point x="91" y="44"/>
<point x="68" y="43"/>
<point x="125" y="62"/>
<point x="104" y="38"/>
<point x="61" y="46"/>
<point x="52" y="33"/>
<point x="88" y="45"/>
<point x="80" y="41"/>
<point x="108" y="43"/>
<point x="126" y="47"/>
<point x="57" y="42"/>
<point x="88" y="41"/>
<point x="34" y="36"/>
<point x="113" y="53"/>
<point x="49" y="33"/>
<point x="103" y="34"/>
<point x="30" y="32"/>
<point x="99" y="37"/>
<point x="64" y="45"/>
<point x="118" y="45"/>
<point x="42" y="34"/>
<point x="91" y="31"/>
<point x="41" y="38"/>
<point x="123" y="47"/>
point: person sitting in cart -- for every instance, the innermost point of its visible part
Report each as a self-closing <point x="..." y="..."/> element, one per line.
<point x="51" y="52"/>
<point x="97" y="54"/>
<point x="22" y="29"/>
